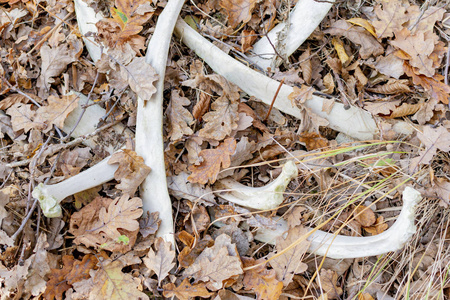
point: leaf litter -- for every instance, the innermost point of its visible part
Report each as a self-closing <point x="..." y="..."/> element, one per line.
<point x="387" y="57"/>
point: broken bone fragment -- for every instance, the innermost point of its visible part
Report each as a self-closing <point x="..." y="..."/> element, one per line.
<point x="269" y="196"/>
<point x="341" y="247"/>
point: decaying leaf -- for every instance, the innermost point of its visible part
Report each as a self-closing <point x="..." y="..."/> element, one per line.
<point x="216" y="264"/>
<point x="131" y="171"/>
<point x="140" y="76"/>
<point x="391" y="15"/>
<point x="288" y="263"/>
<point x="149" y="224"/>
<point x="364" y="215"/>
<point x="160" y="262"/>
<point x="261" y="280"/>
<point x="313" y="140"/>
<point x="377" y="228"/>
<point x="185" y="290"/>
<point x="433" y="139"/>
<point x="238" y="10"/>
<point x="221" y="120"/>
<point x="213" y="160"/>
<point x="57" y="110"/>
<point x="179" y="117"/>
<point x="109" y="282"/>
<point x="328" y="281"/>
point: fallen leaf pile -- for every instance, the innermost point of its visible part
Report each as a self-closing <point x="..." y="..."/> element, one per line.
<point x="389" y="58"/>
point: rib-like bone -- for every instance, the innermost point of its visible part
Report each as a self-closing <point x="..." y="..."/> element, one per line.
<point x="303" y="20"/>
<point x="354" y="121"/>
<point x="339" y="247"/>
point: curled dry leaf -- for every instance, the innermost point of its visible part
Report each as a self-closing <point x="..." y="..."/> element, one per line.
<point x="213" y="160"/>
<point x="141" y="76"/>
<point x="186" y="291"/>
<point x="327" y="280"/>
<point x="131" y="171"/>
<point x="377" y="228"/>
<point x="392" y="87"/>
<point x="364" y="215"/>
<point x="179" y="117"/>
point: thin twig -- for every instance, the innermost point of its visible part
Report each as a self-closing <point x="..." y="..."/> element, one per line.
<point x="273" y="100"/>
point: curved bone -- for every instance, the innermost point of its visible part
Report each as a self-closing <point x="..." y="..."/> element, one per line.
<point x="304" y="19"/>
<point x="339" y="247"/>
<point x="354" y="122"/>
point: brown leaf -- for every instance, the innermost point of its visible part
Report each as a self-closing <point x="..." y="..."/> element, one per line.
<point x="54" y="61"/>
<point x="185" y="290"/>
<point x="179" y="117"/>
<point x="391" y="15"/>
<point x="305" y="64"/>
<point x="358" y="35"/>
<point x="377" y="228"/>
<point x="222" y="120"/>
<point x="433" y="139"/>
<point x="238" y="10"/>
<point x="441" y="187"/>
<point x="109" y="282"/>
<point x="248" y="37"/>
<point x="392" y="87"/>
<point x="313" y="140"/>
<point x="149" y="225"/>
<point x="17" y="98"/>
<point x="300" y="95"/>
<point x="161" y="262"/>
<point x="217" y="264"/>
<point x="418" y="48"/>
<point x="261" y="280"/>
<point x="60" y="280"/>
<point x="190" y="253"/>
<point x="22" y="117"/>
<point x="57" y="110"/>
<point x="288" y="263"/>
<point x="121" y="213"/>
<point x="140" y="76"/>
<point x="202" y="106"/>
<point x="364" y="215"/>
<point x="213" y="159"/>
<point x="434" y="86"/>
<point x="328" y="281"/>
<point x="131" y="172"/>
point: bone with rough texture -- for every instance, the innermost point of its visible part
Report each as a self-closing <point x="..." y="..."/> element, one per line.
<point x="269" y="196"/>
<point x="303" y="20"/>
<point x="354" y="121"/>
<point x="339" y="247"/>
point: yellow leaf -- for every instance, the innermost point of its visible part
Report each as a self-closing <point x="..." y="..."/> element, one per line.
<point x="364" y="24"/>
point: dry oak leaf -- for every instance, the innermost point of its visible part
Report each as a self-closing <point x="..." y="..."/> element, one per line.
<point x="160" y="262"/>
<point x="179" y="117"/>
<point x="149" y="225"/>
<point x="301" y="95"/>
<point x="140" y="75"/>
<point x="238" y="10"/>
<point x="22" y="117"/>
<point x="261" y="280"/>
<point x="313" y="140"/>
<point x="418" y="48"/>
<point x="60" y="280"/>
<point x="364" y="215"/>
<point x="222" y="120"/>
<point x="377" y="228"/>
<point x="441" y="187"/>
<point x="54" y="61"/>
<point x="131" y="172"/>
<point x="288" y="263"/>
<point x="57" y="110"/>
<point x="181" y="188"/>
<point x="213" y="160"/>
<point x="122" y="213"/>
<point x="126" y="22"/>
<point x="358" y="35"/>
<point x="185" y="290"/>
<point x="391" y="15"/>
<point x="189" y="254"/>
<point x="88" y="230"/>
<point x="433" y="139"/>
<point x="110" y="283"/>
<point x="216" y="264"/>
<point x="328" y="281"/>
<point x="437" y="89"/>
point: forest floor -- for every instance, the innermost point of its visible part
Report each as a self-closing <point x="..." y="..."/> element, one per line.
<point x="386" y="60"/>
